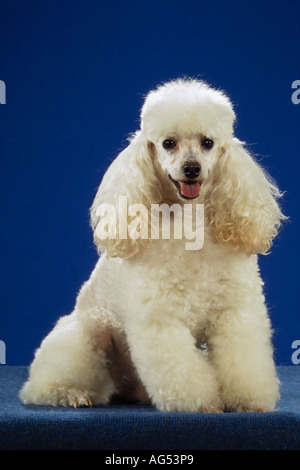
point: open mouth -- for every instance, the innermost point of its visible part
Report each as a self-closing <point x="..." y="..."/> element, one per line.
<point x="187" y="189"/>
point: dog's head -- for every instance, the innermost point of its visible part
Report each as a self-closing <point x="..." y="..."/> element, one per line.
<point x="187" y="124"/>
<point x="185" y="152"/>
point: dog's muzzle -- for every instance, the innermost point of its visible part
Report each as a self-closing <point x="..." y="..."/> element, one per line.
<point x="187" y="189"/>
<point x="190" y="187"/>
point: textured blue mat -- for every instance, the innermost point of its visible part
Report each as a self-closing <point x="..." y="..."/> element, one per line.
<point x="139" y="427"/>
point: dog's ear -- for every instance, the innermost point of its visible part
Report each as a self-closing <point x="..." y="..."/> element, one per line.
<point x="119" y="214"/>
<point x="242" y="207"/>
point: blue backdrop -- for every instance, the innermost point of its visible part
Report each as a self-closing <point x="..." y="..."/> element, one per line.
<point x="75" y="75"/>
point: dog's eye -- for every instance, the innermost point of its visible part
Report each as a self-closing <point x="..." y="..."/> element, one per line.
<point x="169" y="144"/>
<point x="207" y="144"/>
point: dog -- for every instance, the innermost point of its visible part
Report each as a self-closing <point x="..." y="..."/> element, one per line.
<point x="140" y="322"/>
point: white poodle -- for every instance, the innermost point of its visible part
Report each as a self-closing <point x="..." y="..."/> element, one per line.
<point x="141" y="319"/>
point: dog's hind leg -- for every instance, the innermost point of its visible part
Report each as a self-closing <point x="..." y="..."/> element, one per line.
<point x="70" y="367"/>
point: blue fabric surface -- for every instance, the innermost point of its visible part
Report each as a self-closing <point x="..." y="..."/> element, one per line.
<point x="134" y="427"/>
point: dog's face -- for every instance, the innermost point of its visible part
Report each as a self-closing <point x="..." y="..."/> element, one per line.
<point x="187" y="161"/>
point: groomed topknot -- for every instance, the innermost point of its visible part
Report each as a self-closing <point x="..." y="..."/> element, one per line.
<point x="187" y="105"/>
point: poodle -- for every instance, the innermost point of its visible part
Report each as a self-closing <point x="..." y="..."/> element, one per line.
<point x="184" y="328"/>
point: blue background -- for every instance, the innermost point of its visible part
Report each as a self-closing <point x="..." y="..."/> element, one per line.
<point x="75" y="74"/>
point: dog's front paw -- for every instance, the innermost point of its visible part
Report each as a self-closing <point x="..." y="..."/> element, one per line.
<point x="192" y="396"/>
<point x="252" y="399"/>
<point x="74" y="397"/>
<point x="251" y="403"/>
<point x="246" y="409"/>
<point x="190" y="405"/>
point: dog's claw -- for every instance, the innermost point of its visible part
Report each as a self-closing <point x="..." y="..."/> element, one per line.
<point x="245" y="409"/>
<point x="75" y="403"/>
<point x="211" y="410"/>
<point x="218" y="410"/>
<point x="83" y="402"/>
<point x="77" y="399"/>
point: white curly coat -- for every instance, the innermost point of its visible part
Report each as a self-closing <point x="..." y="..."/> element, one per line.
<point x="140" y="319"/>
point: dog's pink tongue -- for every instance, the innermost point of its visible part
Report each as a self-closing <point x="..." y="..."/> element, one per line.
<point x="189" y="190"/>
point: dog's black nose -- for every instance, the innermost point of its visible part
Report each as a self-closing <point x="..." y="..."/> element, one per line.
<point x="191" y="169"/>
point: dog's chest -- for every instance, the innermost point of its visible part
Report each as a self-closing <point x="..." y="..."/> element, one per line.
<point x="172" y="282"/>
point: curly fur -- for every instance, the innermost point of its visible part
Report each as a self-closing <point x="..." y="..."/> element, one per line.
<point x="139" y="320"/>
